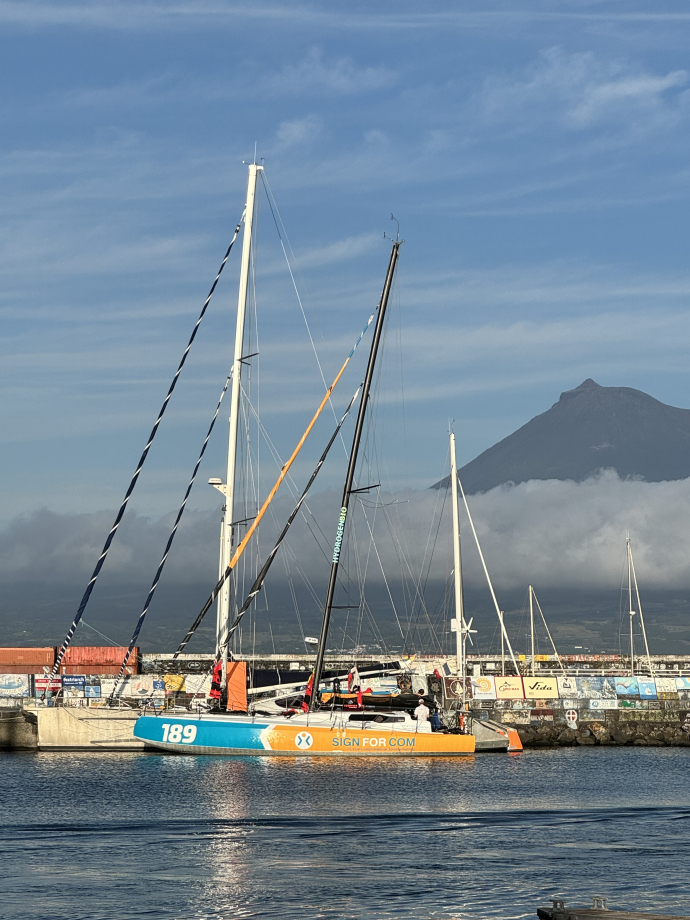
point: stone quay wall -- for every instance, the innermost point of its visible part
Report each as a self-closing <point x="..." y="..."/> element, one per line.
<point x="667" y="724"/>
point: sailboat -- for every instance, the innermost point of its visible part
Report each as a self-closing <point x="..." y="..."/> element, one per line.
<point x="321" y="721"/>
<point x="488" y="735"/>
<point x="632" y="583"/>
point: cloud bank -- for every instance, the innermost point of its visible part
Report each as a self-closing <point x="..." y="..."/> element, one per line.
<point x="553" y="534"/>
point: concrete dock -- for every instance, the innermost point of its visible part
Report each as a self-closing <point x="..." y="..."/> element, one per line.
<point x="598" y="911"/>
<point x="68" y="728"/>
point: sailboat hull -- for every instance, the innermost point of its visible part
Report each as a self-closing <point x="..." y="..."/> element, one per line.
<point x="242" y="736"/>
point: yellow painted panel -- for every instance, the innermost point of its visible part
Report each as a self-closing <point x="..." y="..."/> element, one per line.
<point x="509" y="688"/>
<point x="541" y="688"/>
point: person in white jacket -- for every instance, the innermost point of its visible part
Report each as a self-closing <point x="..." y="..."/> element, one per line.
<point x="421" y="714"/>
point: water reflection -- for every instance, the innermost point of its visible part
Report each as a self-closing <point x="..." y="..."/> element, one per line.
<point x="193" y="837"/>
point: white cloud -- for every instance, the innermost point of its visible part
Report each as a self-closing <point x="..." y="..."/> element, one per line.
<point x="297" y="132"/>
<point x="552" y="534"/>
<point x="320" y="74"/>
<point x="580" y="91"/>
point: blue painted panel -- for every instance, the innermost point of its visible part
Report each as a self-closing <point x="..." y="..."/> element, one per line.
<point x="192" y="733"/>
<point x="647" y="688"/>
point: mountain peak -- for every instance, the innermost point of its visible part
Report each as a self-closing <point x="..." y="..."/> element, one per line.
<point x="590" y="427"/>
<point x="587" y="384"/>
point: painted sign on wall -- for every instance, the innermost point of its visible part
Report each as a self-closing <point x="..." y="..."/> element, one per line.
<point x="596" y="688"/>
<point x="541" y="688"/>
<point x="627" y="686"/>
<point x="567" y="688"/>
<point x="47" y="685"/>
<point x="14" y="685"/>
<point x="647" y="688"/>
<point x="483" y="688"/>
<point x="666" y="688"/>
<point x="509" y="688"/>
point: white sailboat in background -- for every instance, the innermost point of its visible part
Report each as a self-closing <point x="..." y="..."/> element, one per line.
<point x="489" y="736"/>
<point x="632" y="582"/>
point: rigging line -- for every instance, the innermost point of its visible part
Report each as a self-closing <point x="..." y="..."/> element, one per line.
<point x="292" y="488"/>
<point x="293" y="595"/>
<point x="255" y="589"/>
<point x="385" y="580"/>
<point x="142" y="459"/>
<point x="639" y="607"/>
<point x="360" y="575"/>
<point x="284" y="471"/>
<point x="166" y="552"/>
<point x="408" y="574"/>
<point x="548" y="632"/>
<point x="269" y="196"/>
<point x="433" y="550"/>
<point x="424" y="580"/>
<point x="303" y="575"/>
<point x="421" y="582"/>
<point x="102" y="635"/>
<point x="488" y="578"/>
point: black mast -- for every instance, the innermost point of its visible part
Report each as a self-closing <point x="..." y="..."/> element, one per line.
<point x="349" y="478"/>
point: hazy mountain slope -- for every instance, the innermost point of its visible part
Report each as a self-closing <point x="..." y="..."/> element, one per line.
<point x="589" y="427"/>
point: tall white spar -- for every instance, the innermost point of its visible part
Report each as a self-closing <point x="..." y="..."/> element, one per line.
<point x="457" y="570"/>
<point x="228" y="488"/>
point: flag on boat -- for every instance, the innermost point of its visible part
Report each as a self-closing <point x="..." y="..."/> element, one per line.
<point x="216" y="679"/>
<point x="308" y="690"/>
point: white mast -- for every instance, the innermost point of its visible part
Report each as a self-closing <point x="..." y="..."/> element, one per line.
<point x="228" y="488"/>
<point x="639" y="607"/>
<point x="531" y="624"/>
<point x="457" y="570"/>
<point x="630" y="607"/>
<point x="504" y="635"/>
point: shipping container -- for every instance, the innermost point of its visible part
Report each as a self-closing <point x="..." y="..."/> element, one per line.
<point x="107" y="670"/>
<point x="43" y="656"/>
<point x="24" y="669"/>
<point x="26" y="660"/>
<point x="93" y="655"/>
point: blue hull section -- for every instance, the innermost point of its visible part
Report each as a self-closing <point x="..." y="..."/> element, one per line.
<point x="188" y="735"/>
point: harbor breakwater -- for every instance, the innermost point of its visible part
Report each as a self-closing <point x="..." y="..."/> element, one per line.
<point x="578" y="724"/>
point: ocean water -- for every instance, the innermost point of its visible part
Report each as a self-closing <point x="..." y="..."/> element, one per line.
<point x="150" y="836"/>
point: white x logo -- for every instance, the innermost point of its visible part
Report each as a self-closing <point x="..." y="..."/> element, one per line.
<point x="304" y="740"/>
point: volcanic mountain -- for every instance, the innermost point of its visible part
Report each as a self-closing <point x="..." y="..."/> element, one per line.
<point x="589" y="428"/>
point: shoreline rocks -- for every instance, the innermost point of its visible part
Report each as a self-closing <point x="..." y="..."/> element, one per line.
<point x="640" y="733"/>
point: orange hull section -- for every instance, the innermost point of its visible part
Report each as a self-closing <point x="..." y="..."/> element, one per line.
<point x="514" y="743"/>
<point x="286" y="739"/>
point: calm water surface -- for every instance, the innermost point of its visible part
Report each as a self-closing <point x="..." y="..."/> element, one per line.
<point x="147" y="836"/>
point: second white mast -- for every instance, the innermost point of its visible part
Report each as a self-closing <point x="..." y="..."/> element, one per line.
<point x="457" y="569"/>
<point x="228" y="489"/>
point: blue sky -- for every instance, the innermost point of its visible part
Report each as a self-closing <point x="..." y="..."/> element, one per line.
<point x="534" y="153"/>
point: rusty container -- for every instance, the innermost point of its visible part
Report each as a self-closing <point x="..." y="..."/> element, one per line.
<point x="26" y="660"/>
<point x="102" y="670"/>
<point x="98" y="659"/>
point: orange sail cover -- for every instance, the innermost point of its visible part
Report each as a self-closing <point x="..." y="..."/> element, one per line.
<point x="237" y="686"/>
